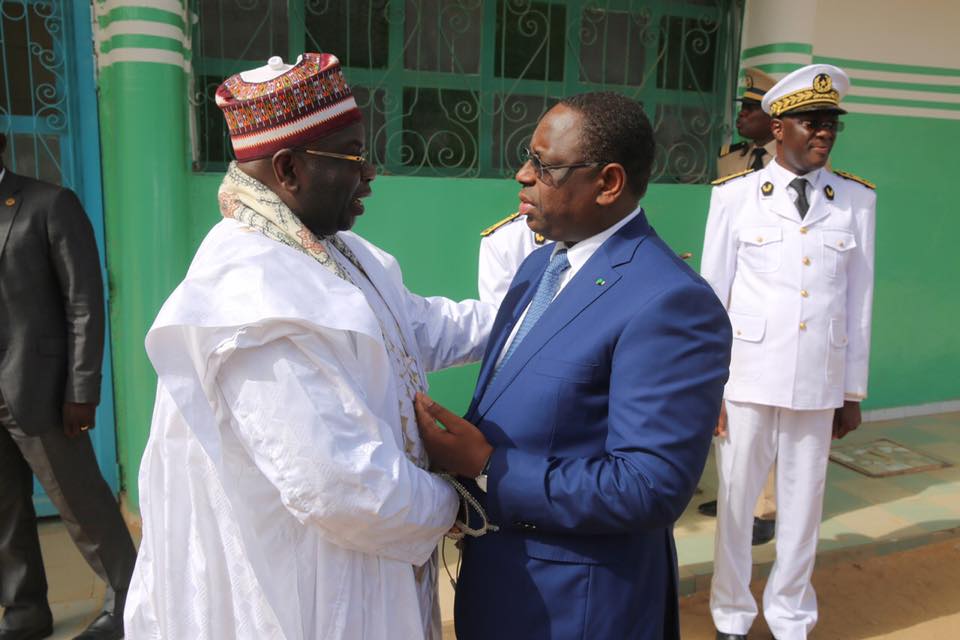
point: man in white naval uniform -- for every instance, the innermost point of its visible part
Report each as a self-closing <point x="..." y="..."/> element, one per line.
<point x="503" y="246"/>
<point x="789" y="251"/>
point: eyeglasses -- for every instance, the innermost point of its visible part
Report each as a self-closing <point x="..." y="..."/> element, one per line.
<point x="811" y="125"/>
<point x="360" y="159"/>
<point x="549" y="170"/>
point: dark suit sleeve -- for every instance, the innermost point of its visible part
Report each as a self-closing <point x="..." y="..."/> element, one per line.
<point x="669" y="367"/>
<point x="73" y="253"/>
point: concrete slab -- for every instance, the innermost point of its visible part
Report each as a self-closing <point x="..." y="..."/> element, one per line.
<point x="863" y="518"/>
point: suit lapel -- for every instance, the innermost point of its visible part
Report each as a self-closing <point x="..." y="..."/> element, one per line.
<point x="517" y="298"/>
<point x="595" y="278"/>
<point x="10" y="201"/>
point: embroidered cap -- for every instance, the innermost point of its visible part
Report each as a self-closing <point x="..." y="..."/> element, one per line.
<point x="756" y="84"/>
<point x="280" y="106"/>
<point x="815" y="87"/>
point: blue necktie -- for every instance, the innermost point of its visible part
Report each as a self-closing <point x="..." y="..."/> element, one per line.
<point x="546" y="292"/>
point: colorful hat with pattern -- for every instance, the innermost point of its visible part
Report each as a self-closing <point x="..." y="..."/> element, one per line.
<point x="815" y="87"/>
<point x="281" y="106"/>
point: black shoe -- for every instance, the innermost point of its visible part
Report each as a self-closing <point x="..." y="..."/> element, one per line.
<point x="708" y="508"/>
<point x="107" y="626"/>
<point x="730" y="636"/>
<point x="763" y="531"/>
<point x="36" y="633"/>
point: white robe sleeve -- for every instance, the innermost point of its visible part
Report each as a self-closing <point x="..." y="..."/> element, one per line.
<point x="298" y="403"/>
<point x="719" y="263"/>
<point x="860" y="300"/>
<point x="449" y="333"/>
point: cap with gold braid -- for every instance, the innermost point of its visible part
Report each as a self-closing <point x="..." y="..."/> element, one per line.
<point x="815" y="87"/>
<point x="756" y="84"/>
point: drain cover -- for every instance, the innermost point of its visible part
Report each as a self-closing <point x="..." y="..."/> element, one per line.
<point x="881" y="458"/>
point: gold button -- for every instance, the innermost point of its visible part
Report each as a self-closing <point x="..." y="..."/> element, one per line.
<point x="803" y="229"/>
<point x="840" y="244"/>
<point x="738" y="332"/>
<point x="804" y="293"/>
<point x="10" y="202"/>
<point x="806" y="261"/>
<point x="759" y="238"/>
<point x="803" y="326"/>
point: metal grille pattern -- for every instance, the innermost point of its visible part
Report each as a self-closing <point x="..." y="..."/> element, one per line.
<point x="455" y="87"/>
<point x="34" y="89"/>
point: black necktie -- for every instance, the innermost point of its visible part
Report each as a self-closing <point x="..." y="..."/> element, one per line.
<point x="757" y="162"/>
<point x="800" y="185"/>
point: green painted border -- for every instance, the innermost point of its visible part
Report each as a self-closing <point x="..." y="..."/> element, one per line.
<point x="899" y="102"/>
<point x="779" y="47"/>
<point x="148" y="14"/>
<point x="778" y="67"/>
<point x="142" y="41"/>
<point x="865" y="65"/>
<point x="907" y="86"/>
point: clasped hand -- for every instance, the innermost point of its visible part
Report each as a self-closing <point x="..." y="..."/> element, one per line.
<point x="458" y="447"/>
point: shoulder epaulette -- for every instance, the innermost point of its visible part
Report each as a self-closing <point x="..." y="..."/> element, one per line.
<point x="725" y="179"/>
<point x="727" y="149"/>
<point x="510" y="218"/>
<point x="850" y="176"/>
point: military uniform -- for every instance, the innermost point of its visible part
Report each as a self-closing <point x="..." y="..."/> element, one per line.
<point x="740" y="156"/>
<point x="734" y="158"/>
<point x="799" y="294"/>
<point x="503" y="247"/>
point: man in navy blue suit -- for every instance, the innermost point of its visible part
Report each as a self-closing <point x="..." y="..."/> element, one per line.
<point x="596" y="400"/>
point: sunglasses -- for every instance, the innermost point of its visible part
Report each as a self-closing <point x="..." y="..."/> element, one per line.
<point x="552" y="171"/>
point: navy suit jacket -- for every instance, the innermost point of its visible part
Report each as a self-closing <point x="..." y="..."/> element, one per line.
<point x="601" y="422"/>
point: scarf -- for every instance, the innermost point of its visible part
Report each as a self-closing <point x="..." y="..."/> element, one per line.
<point x="247" y="200"/>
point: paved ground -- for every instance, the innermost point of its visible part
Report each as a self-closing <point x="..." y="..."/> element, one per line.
<point x="872" y="516"/>
<point x="908" y="595"/>
<point x="888" y="562"/>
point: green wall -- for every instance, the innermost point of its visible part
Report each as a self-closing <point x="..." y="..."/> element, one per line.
<point x="916" y="350"/>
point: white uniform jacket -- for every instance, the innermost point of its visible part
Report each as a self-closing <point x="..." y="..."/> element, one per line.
<point x="503" y="247"/>
<point x="799" y="293"/>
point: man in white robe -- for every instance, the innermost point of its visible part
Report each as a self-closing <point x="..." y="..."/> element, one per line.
<point x="284" y="489"/>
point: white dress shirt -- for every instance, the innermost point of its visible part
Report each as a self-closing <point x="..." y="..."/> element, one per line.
<point x="578" y="255"/>
<point x="782" y="177"/>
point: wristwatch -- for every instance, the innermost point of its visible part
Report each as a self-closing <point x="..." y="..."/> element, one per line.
<point x="481" y="479"/>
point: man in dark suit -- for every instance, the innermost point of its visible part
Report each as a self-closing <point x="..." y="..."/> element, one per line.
<point x="51" y="348"/>
<point x="596" y="400"/>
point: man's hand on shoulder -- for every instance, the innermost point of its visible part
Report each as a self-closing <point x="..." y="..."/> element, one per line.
<point x="459" y="447"/>
<point x="846" y="419"/>
<point x="78" y="417"/>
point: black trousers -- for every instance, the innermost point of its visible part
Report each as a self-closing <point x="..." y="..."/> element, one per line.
<point x="68" y="471"/>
